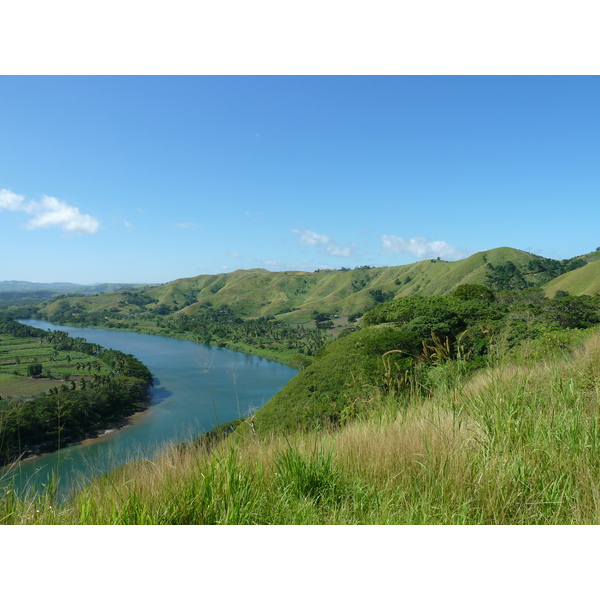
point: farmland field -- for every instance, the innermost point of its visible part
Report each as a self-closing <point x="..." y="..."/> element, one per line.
<point x="58" y="366"/>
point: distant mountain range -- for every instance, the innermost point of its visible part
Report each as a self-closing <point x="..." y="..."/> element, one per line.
<point x="295" y="295"/>
<point x="15" y="293"/>
<point x="63" y="288"/>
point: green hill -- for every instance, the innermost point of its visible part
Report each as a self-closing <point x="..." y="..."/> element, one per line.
<point x="22" y="293"/>
<point x="590" y="256"/>
<point x="585" y="280"/>
<point x="293" y="295"/>
<point x="419" y="338"/>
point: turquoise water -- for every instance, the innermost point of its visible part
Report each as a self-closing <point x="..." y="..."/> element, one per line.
<point x="191" y="381"/>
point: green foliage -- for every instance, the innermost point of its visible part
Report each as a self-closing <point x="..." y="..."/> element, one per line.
<point x="318" y="316"/>
<point x="570" y="312"/>
<point x="381" y="296"/>
<point x="505" y="277"/>
<point x="311" y="477"/>
<point x="537" y="271"/>
<point x="345" y="369"/>
<point x="468" y="291"/>
<point x="34" y="370"/>
<point x="469" y="327"/>
<point x="553" y="268"/>
<point x="222" y="326"/>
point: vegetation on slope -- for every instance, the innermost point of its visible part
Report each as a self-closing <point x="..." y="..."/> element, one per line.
<point x="271" y="314"/>
<point x="22" y="293"/>
<point x="517" y="443"/>
<point x="293" y="296"/>
<point x="408" y="341"/>
<point x="585" y="280"/>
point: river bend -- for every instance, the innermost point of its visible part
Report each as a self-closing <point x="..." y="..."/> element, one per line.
<point x="191" y="381"/>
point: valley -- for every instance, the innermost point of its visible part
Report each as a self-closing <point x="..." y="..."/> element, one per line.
<point x="473" y="351"/>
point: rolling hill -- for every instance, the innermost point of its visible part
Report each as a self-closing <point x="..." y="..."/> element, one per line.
<point x="585" y="280"/>
<point x="293" y="296"/>
<point x="20" y="293"/>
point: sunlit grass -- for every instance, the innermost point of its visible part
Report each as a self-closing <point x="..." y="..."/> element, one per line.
<point x="515" y="444"/>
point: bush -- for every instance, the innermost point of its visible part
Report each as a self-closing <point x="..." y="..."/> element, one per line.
<point x="34" y="370"/>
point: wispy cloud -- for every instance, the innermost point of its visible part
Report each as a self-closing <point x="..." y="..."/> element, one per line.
<point x="235" y="254"/>
<point x="311" y="238"/>
<point x="421" y="248"/>
<point x="272" y="264"/>
<point x="334" y="250"/>
<point x="186" y="225"/>
<point x="277" y="265"/>
<point x="50" y="212"/>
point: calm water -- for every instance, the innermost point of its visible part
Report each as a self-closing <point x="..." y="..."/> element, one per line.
<point x="188" y="376"/>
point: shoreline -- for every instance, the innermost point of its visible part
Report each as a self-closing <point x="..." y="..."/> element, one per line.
<point x="102" y="436"/>
<point x="233" y="346"/>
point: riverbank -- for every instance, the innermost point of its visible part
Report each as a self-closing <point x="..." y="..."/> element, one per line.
<point x="100" y="436"/>
<point x="289" y="358"/>
<point x="92" y="437"/>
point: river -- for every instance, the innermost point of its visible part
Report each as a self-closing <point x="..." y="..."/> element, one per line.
<point x="191" y="382"/>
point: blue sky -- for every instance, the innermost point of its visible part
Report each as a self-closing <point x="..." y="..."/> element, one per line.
<point x="149" y="178"/>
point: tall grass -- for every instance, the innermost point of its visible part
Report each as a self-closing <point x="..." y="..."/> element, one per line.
<point x="515" y="444"/>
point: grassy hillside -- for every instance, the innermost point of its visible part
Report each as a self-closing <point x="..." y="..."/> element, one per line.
<point x="591" y="256"/>
<point x="213" y="308"/>
<point x="515" y="444"/>
<point x="293" y="296"/>
<point x="414" y="341"/>
<point x="585" y="280"/>
<point x="20" y="293"/>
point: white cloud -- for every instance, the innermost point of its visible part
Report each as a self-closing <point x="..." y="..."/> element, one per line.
<point x="50" y="212"/>
<point x="234" y="254"/>
<point x="421" y="248"/>
<point x="277" y="265"/>
<point x="11" y="201"/>
<point x="311" y="238"/>
<point x="333" y="250"/>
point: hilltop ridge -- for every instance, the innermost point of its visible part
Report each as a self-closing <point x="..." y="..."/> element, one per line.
<point x="293" y="296"/>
